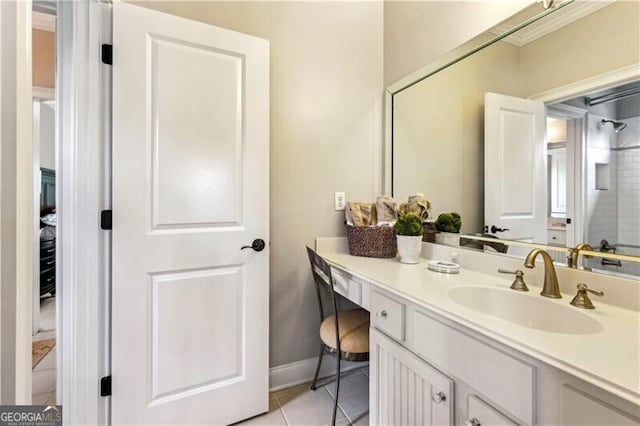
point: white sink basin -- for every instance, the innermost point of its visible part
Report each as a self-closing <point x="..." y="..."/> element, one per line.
<point x="525" y="309"/>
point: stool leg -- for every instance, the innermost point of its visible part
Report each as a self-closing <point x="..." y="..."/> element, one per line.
<point x="335" y="403"/>
<point x="315" y="378"/>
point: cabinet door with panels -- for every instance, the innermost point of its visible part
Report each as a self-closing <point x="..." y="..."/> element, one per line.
<point x="480" y="413"/>
<point x="578" y="407"/>
<point x="405" y="390"/>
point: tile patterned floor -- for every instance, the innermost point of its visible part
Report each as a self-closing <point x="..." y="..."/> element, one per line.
<point x="300" y="406"/>
<point x="44" y="380"/>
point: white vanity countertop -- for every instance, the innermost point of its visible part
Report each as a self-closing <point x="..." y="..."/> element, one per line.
<point x="609" y="359"/>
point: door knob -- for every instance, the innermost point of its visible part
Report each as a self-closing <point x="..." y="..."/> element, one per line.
<point x="495" y="229"/>
<point x="438" y="397"/>
<point x="258" y="245"/>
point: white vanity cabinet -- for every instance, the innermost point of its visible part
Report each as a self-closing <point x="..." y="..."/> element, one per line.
<point x="416" y="362"/>
<point x="405" y="390"/>
<point x="578" y="407"/>
<point x="427" y="370"/>
<point x="428" y="366"/>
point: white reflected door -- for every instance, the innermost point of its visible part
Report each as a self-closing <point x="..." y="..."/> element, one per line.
<point x="515" y="168"/>
<point x="190" y="188"/>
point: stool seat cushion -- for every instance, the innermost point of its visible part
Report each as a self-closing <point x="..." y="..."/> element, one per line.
<point x="354" y="331"/>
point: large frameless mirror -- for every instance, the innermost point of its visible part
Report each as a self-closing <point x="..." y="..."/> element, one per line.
<point x="531" y="132"/>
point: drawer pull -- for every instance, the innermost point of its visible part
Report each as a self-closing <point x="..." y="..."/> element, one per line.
<point x="383" y="314"/>
<point x="473" y="422"/>
<point x="438" y="397"/>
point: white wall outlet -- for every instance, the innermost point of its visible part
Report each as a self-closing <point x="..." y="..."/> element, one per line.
<point x="339" y="200"/>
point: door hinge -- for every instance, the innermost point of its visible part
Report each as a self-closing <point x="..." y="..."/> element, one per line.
<point x="105" y="219"/>
<point x="107" y="54"/>
<point x="105" y="386"/>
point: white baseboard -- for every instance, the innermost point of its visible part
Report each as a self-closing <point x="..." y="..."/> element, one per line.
<point x="286" y="375"/>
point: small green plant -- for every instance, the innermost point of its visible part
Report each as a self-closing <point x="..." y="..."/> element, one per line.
<point x="409" y="225"/>
<point x="449" y="222"/>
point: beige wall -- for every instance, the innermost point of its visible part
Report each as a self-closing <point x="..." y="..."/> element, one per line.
<point x="603" y="41"/>
<point x="417" y="32"/>
<point x="44" y="60"/>
<point x="326" y="121"/>
<point x="326" y="112"/>
<point x="47" y="136"/>
<point x="438" y="123"/>
<point x="438" y="129"/>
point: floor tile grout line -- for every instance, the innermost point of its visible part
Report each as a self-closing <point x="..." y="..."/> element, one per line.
<point x="281" y="408"/>
<point x="356" y="415"/>
<point x="35" y="370"/>
<point x="43" y="393"/>
<point x="284" y="414"/>
<point x="339" y="406"/>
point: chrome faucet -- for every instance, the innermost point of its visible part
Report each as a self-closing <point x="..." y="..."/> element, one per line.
<point x="572" y="259"/>
<point x="550" y="287"/>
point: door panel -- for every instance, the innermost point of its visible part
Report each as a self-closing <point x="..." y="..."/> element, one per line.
<point x="184" y="77"/>
<point x="515" y="167"/>
<point x="185" y="308"/>
<point x="190" y="187"/>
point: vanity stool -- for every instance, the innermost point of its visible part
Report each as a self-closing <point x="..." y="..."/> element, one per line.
<point x="344" y="334"/>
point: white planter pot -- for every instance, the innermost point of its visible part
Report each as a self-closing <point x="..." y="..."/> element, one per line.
<point x="448" y="239"/>
<point x="409" y="248"/>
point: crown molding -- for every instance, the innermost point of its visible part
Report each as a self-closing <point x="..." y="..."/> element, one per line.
<point x="43" y="21"/>
<point x="565" y="16"/>
<point x="45" y="6"/>
<point x="604" y="81"/>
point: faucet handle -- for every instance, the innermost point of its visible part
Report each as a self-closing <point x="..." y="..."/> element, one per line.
<point x="583" y="286"/>
<point x="582" y="298"/>
<point x="518" y="284"/>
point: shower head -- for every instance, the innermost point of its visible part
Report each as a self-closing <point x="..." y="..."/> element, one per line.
<point x="617" y="125"/>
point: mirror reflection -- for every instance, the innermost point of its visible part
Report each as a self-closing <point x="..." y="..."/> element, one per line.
<point x="535" y="138"/>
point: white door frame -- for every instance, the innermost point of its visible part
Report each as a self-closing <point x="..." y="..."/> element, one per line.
<point x="16" y="186"/>
<point x="576" y="160"/>
<point x="83" y="181"/>
<point x="35" y="314"/>
<point x="603" y="81"/>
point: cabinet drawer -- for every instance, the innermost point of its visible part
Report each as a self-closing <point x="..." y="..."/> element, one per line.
<point x="355" y="292"/>
<point x="347" y="286"/>
<point x="556" y="237"/>
<point x="387" y="315"/>
<point x="503" y="379"/>
<point x="485" y="414"/>
<point x="47" y="262"/>
<point x="340" y="282"/>
<point x="48" y="277"/>
<point x="47" y="249"/>
<point x="580" y="408"/>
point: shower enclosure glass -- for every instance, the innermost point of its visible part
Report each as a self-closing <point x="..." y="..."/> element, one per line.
<point x="612" y="175"/>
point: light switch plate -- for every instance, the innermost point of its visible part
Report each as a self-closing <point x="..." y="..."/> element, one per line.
<point x="339" y="201"/>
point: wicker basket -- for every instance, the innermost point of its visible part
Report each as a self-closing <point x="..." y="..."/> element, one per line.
<point x="430" y="232"/>
<point x="374" y="241"/>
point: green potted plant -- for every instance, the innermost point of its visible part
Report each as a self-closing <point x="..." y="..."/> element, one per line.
<point x="409" y="231"/>
<point x="448" y="226"/>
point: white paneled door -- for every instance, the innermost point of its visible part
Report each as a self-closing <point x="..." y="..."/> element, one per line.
<point x="190" y="188"/>
<point x="515" y="168"/>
